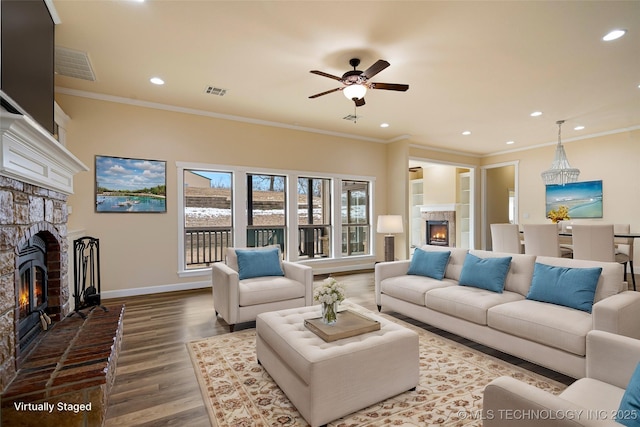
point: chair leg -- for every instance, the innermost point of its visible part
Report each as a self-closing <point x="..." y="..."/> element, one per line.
<point x="633" y="275"/>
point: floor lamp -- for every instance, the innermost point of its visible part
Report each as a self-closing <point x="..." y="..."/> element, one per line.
<point x="389" y="225"/>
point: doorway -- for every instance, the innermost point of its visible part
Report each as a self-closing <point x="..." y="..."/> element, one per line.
<point x="499" y="197"/>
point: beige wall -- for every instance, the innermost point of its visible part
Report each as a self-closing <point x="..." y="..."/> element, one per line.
<point x="614" y="159"/>
<point x="140" y="250"/>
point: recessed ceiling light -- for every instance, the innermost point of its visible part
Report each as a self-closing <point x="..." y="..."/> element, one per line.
<point x="613" y="35"/>
<point x="510" y="142"/>
<point x="156" y="80"/>
<point x="466" y="132"/>
<point x="578" y="127"/>
<point x="384" y="125"/>
<point x="536" y="114"/>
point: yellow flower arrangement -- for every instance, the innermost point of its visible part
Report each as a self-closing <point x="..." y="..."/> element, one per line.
<point x="560" y="214"/>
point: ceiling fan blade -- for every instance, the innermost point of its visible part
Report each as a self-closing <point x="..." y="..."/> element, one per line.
<point x="375" y="68"/>
<point x="326" y="92"/>
<point x="389" y="86"/>
<point x="359" y="102"/>
<point x="322" y="73"/>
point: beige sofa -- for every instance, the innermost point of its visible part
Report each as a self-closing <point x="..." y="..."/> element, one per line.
<point x="591" y="401"/>
<point x="547" y="334"/>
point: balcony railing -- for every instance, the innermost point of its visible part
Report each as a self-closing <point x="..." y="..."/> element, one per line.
<point x="206" y="245"/>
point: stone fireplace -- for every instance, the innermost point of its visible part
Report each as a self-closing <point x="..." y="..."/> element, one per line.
<point x="439" y="224"/>
<point x="36" y="177"/>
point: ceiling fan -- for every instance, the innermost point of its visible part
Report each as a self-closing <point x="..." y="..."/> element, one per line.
<point x="357" y="82"/>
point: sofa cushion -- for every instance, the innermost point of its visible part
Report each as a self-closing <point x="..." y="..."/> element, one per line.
<point x="571" y="287"/>
<point x="468" y="303"/>
<point x="628" y="413"/>
<point x="261" y="290"/>
<point x="592" y="393"/>
<point x="550" y="324"/>
<point x="412" y="288"/>
<point x="611" y="279"/>
<point x="258" y="263"/>
<point x="485" y="273"/>
<point x="520" y="271"/>
<point x="429" y="263"/>
<point x="456" y="260"/>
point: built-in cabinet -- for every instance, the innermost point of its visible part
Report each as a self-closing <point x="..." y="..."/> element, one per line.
<point x="416" y="199"/>
<point x="463" y="211"/>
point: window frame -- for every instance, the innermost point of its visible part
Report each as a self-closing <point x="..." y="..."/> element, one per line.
<point x="239" y="208"/>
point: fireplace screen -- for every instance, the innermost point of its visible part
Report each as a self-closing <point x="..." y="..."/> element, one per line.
<point x="32" y="288"/>
<point x="438" y="233"/>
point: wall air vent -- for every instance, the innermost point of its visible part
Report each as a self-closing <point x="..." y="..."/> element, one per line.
<point x="212" y="90"/>
<point x="73" y="63"/>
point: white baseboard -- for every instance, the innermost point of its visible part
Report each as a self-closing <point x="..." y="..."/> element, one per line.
<point x="155" y="289"/>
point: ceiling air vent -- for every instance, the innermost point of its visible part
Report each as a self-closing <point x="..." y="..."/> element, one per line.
<point x="73" y="63"/>
<point x="352" y="118"/>
<point x="212" y="90"/>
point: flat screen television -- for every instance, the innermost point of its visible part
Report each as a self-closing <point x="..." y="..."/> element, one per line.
<point x="584" y="199"/>
<point x="27" y="60"/>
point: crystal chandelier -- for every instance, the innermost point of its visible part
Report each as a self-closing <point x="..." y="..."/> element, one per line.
<point x="560" y="172"/>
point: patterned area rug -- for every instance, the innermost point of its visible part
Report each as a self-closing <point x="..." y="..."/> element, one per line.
<point x="239" y="393"/>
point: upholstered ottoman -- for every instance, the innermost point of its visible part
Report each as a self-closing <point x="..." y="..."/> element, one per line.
<point x="328" y="380"/>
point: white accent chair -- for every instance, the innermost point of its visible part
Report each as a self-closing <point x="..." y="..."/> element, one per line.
<point x="624" y="250"/>
<point x="590" y="401"/>
<point x="541" y="239"/>
<point x="506" y="238"/>
<point x="239" y="301"/>
<point x="593" y="242"/>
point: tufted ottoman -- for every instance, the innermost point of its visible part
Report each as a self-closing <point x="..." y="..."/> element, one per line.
<point x="326" y="381"/>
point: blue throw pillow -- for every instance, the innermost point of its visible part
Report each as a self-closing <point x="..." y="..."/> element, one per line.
<point x="258" y="263"/>
<point x="571" y="287"/>
<point x="629" y="411"/>
<point x="485" y="273"/>
<point x="429" y="263"/>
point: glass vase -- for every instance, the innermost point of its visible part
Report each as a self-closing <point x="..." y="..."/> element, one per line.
<point x="329" y="313"/>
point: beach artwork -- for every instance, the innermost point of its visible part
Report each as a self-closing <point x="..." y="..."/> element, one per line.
<point x="584" y="199"/>
<point x="130" y="185"/>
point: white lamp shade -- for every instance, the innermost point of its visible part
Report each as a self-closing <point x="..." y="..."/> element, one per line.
<point x="390" y="224"/>
<point x="354" y="91"/>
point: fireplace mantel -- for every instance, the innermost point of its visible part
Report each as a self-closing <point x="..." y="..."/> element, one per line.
<point x="29" y="154"/>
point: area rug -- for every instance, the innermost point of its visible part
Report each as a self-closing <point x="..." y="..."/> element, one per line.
<point x="238" y="392"/>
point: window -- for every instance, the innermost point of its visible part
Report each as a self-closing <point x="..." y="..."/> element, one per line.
<point x="314" y="217"/>
<point x="266" y="210"/>
<point x="208" y="216"/>
<point x="356" y="226"/>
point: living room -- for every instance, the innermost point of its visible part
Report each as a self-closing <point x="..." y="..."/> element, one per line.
<point x="141" y="253"/>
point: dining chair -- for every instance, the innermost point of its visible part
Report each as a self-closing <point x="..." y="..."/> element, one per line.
<point x="506" y="238"/>
<point x="593" y="242"/>
<point x="624" y="250"/>
<point x="541" y="239"/>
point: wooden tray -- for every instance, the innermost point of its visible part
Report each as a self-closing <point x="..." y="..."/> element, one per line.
<point x="349" y="324"/>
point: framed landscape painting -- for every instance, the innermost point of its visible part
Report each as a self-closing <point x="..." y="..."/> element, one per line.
<point x="130" y="185"/>
<point x="584" y="199"/>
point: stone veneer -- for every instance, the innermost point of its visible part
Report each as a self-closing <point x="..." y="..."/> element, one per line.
<point x="27" y="210"/>
<point x="449" y="216"/>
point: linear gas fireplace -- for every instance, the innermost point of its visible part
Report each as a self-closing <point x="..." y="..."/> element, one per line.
<point x="438" y="233"/>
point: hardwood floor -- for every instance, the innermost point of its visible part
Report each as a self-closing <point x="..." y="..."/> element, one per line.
<point x="155" y="383"/>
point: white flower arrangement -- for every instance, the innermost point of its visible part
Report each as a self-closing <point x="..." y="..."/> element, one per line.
<point x="329" y="292"/>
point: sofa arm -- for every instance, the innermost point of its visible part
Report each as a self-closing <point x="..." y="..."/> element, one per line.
<point x="611" y="358"/>
<point x="224" y="281"/>
<point x="508" y="402"/>
<point x="385" y="270"/>
<point x="618" y="314"/>
<point x="303" y="274"/>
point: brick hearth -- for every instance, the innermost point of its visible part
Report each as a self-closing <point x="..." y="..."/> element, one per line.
<point x="66" y="380"/>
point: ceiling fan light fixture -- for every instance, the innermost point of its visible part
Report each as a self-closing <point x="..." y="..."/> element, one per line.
<point x="355" y="91"/>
